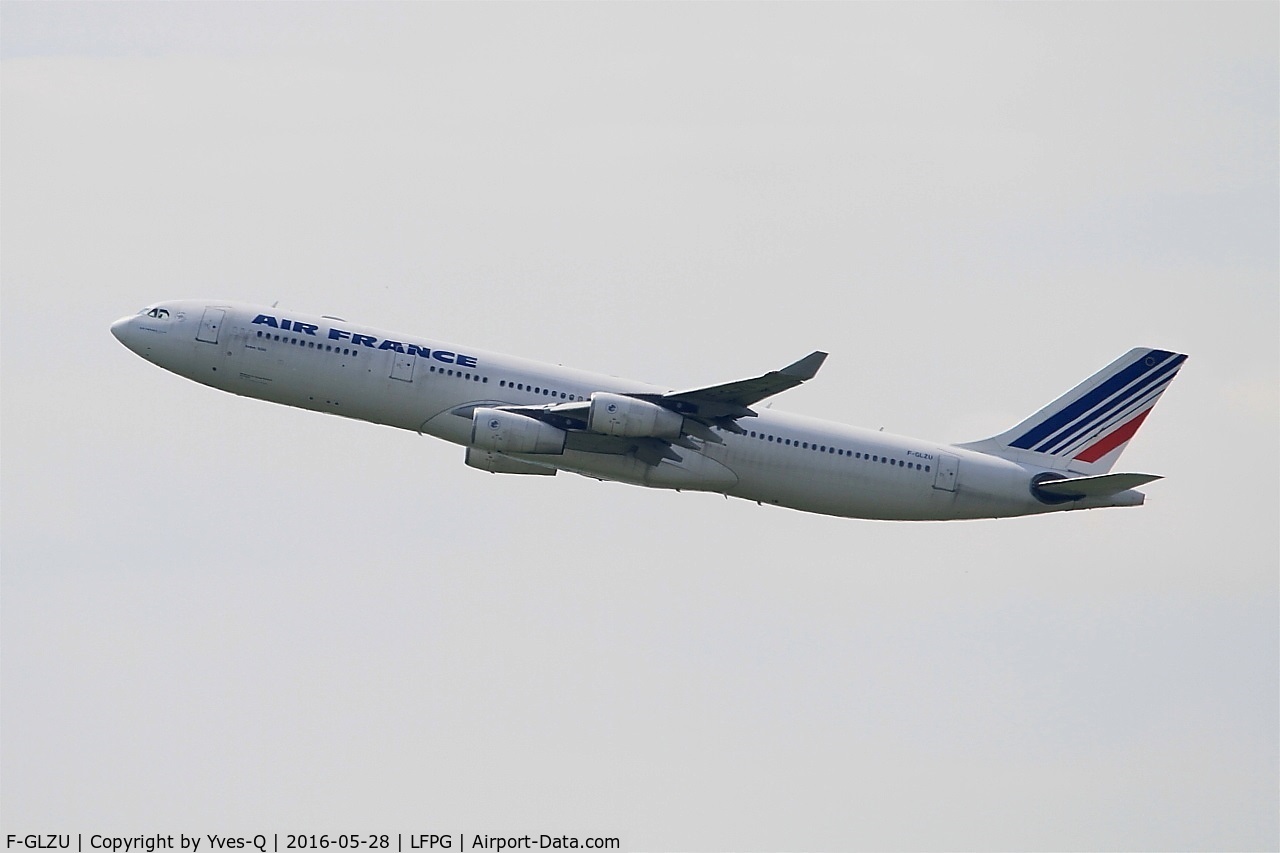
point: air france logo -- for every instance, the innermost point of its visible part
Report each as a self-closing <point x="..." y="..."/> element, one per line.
<point x="336" y="334"/>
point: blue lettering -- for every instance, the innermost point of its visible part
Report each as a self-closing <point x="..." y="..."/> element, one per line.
<point x="369" y="341"/>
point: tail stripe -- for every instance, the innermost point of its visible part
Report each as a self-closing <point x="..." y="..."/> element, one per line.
<point x="1085" y="430"/>
<point x="1112" y="441"/>
<point x="1100" y="402"/>
<point x="1103" y="427"/>
<point x="1133" y="399"/>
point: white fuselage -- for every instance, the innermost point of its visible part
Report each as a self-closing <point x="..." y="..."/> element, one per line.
<point x="427" y="386"/>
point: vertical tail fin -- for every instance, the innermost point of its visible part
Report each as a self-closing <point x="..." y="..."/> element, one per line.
<point x="1086" y="429"/>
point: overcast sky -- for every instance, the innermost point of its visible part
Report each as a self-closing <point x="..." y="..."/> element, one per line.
<point x="222" y="615"/>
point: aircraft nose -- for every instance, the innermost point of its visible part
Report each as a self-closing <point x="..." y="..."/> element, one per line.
<point x="126" y="331"/>
<point x="120" y="328"/>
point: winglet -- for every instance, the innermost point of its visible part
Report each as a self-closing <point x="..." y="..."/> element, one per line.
<point x="807" y="367"/>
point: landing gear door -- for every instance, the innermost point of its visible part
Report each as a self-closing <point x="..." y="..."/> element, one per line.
<point x="209" y="325"/>
<point x="948" y="472"/>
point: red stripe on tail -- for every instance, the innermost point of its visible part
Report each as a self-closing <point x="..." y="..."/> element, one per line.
<point x="1094" y="452"/>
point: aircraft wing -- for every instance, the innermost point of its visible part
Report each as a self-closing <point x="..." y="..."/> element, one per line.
<point x="733" y="398"/>
<point x="715" y="406"/>
<point x="712" y="403"/>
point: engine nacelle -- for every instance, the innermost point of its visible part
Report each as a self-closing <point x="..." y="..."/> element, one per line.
<point x="627" y="417"/>
<point x="499" y="431"/>
<point x="497" y="463"/>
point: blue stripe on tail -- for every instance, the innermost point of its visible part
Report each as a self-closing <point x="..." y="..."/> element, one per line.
<point x="1147" y="364"/>
<point x="1146" y="390"/>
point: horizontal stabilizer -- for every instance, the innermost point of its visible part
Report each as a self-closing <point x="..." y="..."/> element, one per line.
<point x="1093" y="487"/>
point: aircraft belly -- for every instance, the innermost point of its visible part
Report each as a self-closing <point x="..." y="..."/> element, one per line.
<point x="695" y="471"/>
<point x="883" y="494"/>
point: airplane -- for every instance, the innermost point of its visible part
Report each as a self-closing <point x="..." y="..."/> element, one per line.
<point x="516" y="416"/>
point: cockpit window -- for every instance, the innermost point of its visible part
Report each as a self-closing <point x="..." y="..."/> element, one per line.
<point x="157" y="313"/>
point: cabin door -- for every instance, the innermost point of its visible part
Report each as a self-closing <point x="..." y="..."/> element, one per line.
<point x="948" y="472"/>
<point x="209" y="325"/>
<point x="402" y="365"/>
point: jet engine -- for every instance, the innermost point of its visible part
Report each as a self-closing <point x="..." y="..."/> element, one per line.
<point x="500" y="431"/>
<point x="627" y="417"/>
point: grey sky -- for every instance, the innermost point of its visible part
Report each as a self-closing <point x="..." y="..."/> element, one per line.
<point x="222" y="615"/>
